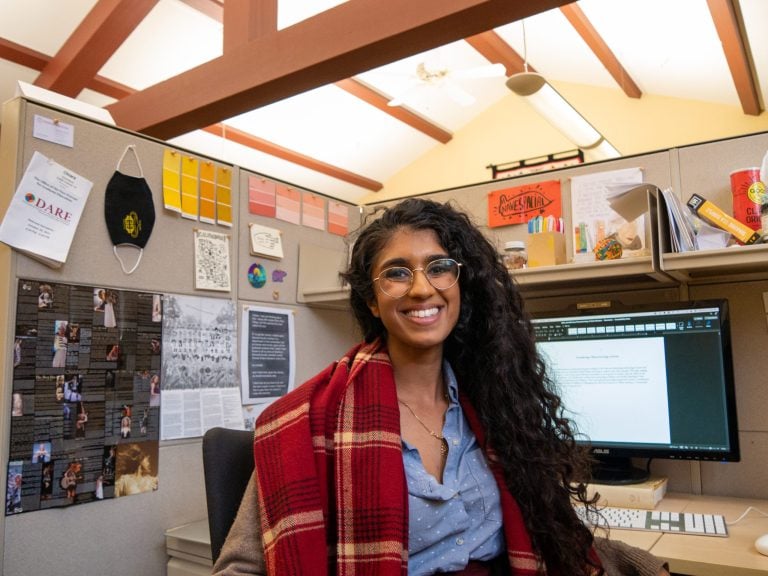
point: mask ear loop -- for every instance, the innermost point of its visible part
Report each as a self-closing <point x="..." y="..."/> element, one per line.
<point x="132" y="148"/>
<point x="132" y="270"/>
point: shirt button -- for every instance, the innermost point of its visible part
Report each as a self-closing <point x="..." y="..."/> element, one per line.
<point x="455" y="442"/>
<point x="460" y="541"/>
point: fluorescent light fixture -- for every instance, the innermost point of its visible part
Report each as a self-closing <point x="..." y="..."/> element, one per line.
<point x="556" y="110"/>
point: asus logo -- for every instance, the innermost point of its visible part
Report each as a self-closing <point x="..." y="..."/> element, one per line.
<point x="601" y="451"/>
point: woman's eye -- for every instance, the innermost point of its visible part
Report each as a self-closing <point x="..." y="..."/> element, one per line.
<point x="396" y="274"/>
<point x="439" y="267"/>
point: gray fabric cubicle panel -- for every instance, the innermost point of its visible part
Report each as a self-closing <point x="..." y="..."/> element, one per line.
<point x="293" y="235"/>
<point x="167" y="263"/>
<point x="705" y="168"/>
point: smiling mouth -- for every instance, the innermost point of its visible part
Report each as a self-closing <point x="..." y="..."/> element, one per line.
<point x="428" y="313"/>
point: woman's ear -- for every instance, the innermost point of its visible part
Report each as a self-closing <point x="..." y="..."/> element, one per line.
<point x="373" y="306"/>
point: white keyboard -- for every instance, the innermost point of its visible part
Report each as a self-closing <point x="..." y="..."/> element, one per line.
<point x="656" y="520"/>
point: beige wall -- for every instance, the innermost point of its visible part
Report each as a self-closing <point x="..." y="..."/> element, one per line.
<point x="507" y="132"/>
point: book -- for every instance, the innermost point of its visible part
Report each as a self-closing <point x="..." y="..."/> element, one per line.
<point x="45" y="210"/>
<point x="644" y="495"/>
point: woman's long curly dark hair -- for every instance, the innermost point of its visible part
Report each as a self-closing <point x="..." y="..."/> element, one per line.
<point x="493" y="354"/>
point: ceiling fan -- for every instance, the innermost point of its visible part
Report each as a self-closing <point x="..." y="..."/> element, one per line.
<point x="444" y="79"/>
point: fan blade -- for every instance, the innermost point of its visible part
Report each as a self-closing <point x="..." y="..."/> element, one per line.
<point x="457" y="93"/>
<point x="408" y="94"/>
<point x="490" y="71"/>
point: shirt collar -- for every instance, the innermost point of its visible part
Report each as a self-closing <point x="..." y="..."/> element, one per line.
<point x="450" y="382"/>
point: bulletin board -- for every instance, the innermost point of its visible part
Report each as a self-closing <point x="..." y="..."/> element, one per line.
<point x="85" y="395"/>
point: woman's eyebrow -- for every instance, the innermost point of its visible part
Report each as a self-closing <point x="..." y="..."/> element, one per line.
<point x="407" y="263"/>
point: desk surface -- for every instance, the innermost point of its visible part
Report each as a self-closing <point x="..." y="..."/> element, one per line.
<point x="695" y="555"/>
<point x="708" y="555"/>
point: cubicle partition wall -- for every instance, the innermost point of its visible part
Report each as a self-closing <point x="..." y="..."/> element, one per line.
<point x="739" y="274"/>
<point x="126" y="535"/>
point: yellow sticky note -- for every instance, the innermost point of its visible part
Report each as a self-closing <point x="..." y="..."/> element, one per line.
<point x="224" y="196"/>
<point x="172" y="180"/>
<point x="207" y="192"/>
<point x="189" y="187"/>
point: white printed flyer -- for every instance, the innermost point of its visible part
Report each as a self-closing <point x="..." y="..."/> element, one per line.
<point x="45" y="210"/>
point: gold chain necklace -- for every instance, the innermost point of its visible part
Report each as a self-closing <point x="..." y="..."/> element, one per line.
<point x="443" y="441"/>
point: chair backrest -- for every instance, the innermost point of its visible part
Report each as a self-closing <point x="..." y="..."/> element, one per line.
<point x="227" y="466"/>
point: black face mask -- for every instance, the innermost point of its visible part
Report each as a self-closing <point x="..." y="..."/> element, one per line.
<point x="129" y="211"/>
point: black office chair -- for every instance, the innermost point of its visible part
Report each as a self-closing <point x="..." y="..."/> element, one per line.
<point x="227" y="467"/>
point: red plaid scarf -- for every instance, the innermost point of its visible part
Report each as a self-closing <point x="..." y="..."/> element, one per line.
<point x="331" y="478"/>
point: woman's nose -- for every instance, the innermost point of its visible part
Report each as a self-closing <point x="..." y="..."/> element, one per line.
<point x="420" y="284"/>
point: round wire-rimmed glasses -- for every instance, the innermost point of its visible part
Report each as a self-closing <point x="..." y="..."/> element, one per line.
<point x="396" y="281"/>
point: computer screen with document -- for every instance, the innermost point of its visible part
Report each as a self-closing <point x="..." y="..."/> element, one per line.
<point x="644" y="381"/>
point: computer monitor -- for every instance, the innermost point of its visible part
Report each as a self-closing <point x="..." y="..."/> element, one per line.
<point x="644" y="381"/>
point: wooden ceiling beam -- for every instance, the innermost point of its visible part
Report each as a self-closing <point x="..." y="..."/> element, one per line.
<point x="496" y="50"/>
<point x="589" y="34"/>
<point x="94" y="41"/>
<point x="212" y="8"/>
<point x="737" y="53"/>
<point x="246" y="20"/>
<point x="353" y="37"/>
<point x="375" y="99"/>
<point x="22" y="55"/>
<point x="35" y="60"/>
<point x="251" y="141"/>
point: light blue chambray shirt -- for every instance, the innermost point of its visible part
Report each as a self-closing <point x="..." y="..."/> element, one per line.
<point x="459" y="520"/>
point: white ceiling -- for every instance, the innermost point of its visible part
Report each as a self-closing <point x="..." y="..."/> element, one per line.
<point x="669" y="48"/>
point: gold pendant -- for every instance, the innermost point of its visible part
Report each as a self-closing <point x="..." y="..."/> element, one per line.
<point x="443" y="447"/>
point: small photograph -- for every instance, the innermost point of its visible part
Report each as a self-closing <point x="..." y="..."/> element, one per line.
<point x="157" y="308"/>
<point x="110" y="303"/>
<point x="73" y="333"/>
<point x="41" y="452"/>
<point x="136" y="468"/>
<point x="81" y="420"/>
<point x="13" y="489"/>
<point x="109" y="379"/>
<point x="16" y="352"/>
<point x="108" y="465"/>
<point x="60" y="344"/>
<point x="70" y="478"/>
<point x="144" y="422"/>
<point x="154" y="390"/>
<point x="154" y="345"/>
<point x="45" y="297"/>
<point x="46" y="481"/>
<point x="113" y="353"/>
<point x="73" y="388"/>
<point x="125" y="422"/>
<point x="17" y="408"/>
<point x="99" y="299"/>
<point x="60" y="387"/>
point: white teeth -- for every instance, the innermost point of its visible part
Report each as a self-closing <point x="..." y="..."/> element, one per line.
<point x="423" y="313"/>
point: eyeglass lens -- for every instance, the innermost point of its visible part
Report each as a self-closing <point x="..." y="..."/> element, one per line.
<point x="397" y="280"/>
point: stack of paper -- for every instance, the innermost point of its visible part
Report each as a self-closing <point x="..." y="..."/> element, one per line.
<point x="687" y="231"/>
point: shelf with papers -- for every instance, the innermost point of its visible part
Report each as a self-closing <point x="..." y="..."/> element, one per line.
<point x="735" y="263"/>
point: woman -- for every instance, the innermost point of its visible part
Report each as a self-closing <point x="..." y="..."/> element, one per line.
<point x="436" y="445"/>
